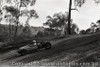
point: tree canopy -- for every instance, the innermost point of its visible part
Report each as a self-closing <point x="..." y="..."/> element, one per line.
<point x="81" y="2"/>
<point x="57" y="20"/>
<point x="14" y="11"/>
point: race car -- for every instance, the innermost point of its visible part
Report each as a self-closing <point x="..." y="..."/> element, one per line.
<point x="34" y="46"/>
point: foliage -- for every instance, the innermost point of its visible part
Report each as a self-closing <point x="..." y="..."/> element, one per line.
<point x="79" y="2"/>
<point x="97" y="1"/>
<point x="82" y="32"/>
<point x="98" y="22"/>
<point x="24" y="3"/>
<point x="14" y="11"/>
<point x="1" y="15"/>
<point x="94" y="27"/>
<point x="49" y="32"/>
<point x="13" y="14"/>
<point x="29" y="13"/>
<point x="23" y="32"/>
<point x="57" y="20"/>
<point x="74" y="28"/>
<point x="26" y="32"/>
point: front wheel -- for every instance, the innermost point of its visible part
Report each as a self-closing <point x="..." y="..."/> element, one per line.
<point x="47" y="45"/>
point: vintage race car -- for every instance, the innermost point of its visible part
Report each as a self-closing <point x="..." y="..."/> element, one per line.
<point x="34" y="47"/>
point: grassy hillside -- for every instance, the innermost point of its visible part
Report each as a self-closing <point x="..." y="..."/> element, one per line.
<point x="35" y="30"/>
<point x="64" y="47"/>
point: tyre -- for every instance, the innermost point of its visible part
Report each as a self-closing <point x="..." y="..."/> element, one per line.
<point x="47" y="46"/>
<point x="23" y="52"/>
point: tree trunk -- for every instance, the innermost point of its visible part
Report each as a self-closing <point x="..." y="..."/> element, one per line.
<point x="12" y="28"/>
<point x="63" y="30"/>
<point x="16" y="27"/>
<point x="27" y="24"/>
<point x="69" y="17"/>
<point x="9" y="29"/>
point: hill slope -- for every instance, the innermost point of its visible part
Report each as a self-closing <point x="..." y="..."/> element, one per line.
<point x="63" y="50"/>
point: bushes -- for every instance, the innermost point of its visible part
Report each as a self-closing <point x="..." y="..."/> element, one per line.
<point x="11" y="39"/>
<point x="49" y="32"/>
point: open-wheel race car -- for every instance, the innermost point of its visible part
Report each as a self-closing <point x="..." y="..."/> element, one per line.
<point x="34" y="46"/>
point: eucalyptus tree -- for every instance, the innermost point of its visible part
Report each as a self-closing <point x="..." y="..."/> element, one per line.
<point x="93" y="27"/>
<point x="74" y="28"/>
<point x="30" y="14"/>
<point x="16" y="11"/>
<point x="14" y="18"/>
<point x="0" y="15"/>
<point x="58" y="20"/>
<point x="1" y="10"/>
<point x="98" y="25"/>
<point x="77" y="3"/>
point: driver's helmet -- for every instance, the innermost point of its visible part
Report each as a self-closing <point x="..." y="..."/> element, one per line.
<point x="34" y="41"/>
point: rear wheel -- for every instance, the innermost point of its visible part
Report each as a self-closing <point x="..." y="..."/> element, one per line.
<point x="23" y="52"/>
<point x="47" y="46"/>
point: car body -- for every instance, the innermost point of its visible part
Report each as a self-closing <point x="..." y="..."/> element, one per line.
<point x="34" y="46"/>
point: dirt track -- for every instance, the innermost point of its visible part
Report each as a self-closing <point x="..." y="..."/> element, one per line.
<point x="64" y="50"/>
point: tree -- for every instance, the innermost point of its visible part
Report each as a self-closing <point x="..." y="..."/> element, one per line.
<point x="30" y="14"/>
<point x="15" y="11"/>
<point x="98" y="25"/>
<point x="58" y="20"/>
<point x="0" y="15"/>
<point x="10" y="20"/>
<point x="14" y="16"/>
<point x="93" y="27"/>
<point x="77" y="3"/>
<point x="82" y="32"/>
<point x="74" y="28"/>
<point x="88" y="31"/>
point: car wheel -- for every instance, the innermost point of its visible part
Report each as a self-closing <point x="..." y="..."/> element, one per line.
<point x="47" y="46"/>
<point x="23" y="52"/>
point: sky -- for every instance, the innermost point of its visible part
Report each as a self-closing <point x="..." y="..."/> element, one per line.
<point x="89" y="12"/>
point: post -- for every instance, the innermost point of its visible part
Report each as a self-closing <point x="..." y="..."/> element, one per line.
<point x="69" y="17"/>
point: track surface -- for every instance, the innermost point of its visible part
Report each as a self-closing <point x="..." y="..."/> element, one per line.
<point x="64" y="50"/>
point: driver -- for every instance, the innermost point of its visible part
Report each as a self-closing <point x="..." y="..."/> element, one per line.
<point x="34" y="42"/>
